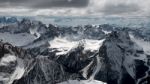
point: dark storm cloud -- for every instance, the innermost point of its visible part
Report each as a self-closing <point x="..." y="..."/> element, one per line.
<point x="120" y="8"/>
<point x="75" y="7"/>
<point x="43" y="3"/>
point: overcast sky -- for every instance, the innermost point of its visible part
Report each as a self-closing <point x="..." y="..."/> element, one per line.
<point x="75" y="7"/>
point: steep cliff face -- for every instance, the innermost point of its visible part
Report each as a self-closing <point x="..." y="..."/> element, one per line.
<point x="18" y="66"/>
<point x="117" y="58"/>
<point x="119" y="55"/>
<point x="46" y="71"/>
<point x="14" y="63"/>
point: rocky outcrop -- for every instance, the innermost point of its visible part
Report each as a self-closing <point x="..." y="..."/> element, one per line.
<point x="14" y="63"/>
<point x="46" y="71"/>
<point x="119" y="55"/>
<point x="19" y="66"/>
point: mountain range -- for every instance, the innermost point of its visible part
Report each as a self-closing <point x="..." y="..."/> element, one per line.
<point x="32" y="52"/>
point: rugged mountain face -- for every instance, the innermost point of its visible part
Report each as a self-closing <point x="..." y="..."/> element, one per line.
<point x="118" y="60"/>
<point x="35" y="31"/>
<point x="18" y="66"/>
<point x="40" y="54"/>
<point x="14" y="63"/>
<point x="46" y="71"/>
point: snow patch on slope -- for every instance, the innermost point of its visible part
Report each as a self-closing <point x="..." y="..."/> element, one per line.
<point x="144" y="44"/>
<point x="93" y="44"/>
<point x="7" y="59"/>
<point x="98" y="67"/>
<point x="85" y="70"/>
<point x="82" y="82"/>
<point x="17" y="39"/>
<point x="18" y="72"/>
<point x="34" y="32"/>
<point x="64" y="46"/>
<point x="106" y="32"/>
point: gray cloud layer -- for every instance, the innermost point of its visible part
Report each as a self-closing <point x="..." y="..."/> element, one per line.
<point x="120" y="8"/>
<point x="75" y="7"/>
<point x="44" y="3"/>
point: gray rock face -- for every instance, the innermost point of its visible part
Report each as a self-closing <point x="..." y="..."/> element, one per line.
<point x="118" y="59"/>
<point x="14" y="63"/>
<point x="119" y="55"/>
<point x="46" y="71"/>
<point x="23" y="68"/>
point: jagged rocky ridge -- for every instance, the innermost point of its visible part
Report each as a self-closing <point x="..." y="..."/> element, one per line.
<point x="118" y="60"/>
<point x="14" y="62"/>
<point x="19" y="66"/>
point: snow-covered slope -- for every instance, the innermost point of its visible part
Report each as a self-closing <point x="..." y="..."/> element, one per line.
<point x="63" y="46"/>
<point x="83" y="82"/>
<point x="17" y="39"/>
<point x="14" y="63"/>
<point x="144" y="44"/>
